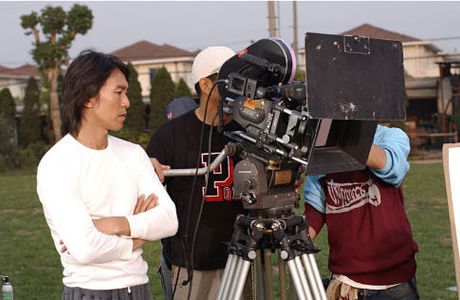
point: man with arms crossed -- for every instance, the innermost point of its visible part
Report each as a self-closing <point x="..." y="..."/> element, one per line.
<point x="101" y="196"/>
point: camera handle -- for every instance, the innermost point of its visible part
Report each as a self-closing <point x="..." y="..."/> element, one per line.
<point x="229" y="150"/>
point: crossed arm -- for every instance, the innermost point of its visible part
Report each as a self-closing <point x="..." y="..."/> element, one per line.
<point x="119" y="225"/>
<point x="112" y="238"/>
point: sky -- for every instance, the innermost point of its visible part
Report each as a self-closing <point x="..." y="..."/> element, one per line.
<point x="193" y="25"/>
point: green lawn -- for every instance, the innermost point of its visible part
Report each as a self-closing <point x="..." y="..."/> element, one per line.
<point x="28" y="256"/>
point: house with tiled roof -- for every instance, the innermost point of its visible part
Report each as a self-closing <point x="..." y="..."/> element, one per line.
<point x="430" y="83"/>
<point x="420" y="56"/>
<point x="16" y="78"/>
<point x="147" y="57"/>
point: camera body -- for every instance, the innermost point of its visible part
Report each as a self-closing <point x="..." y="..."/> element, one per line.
<point x="323" y="125"/>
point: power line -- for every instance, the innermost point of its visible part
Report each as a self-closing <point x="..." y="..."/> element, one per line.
<point x="248" y="40"/>
<point x="445" y="38"/>
<point x="446" y="55"/>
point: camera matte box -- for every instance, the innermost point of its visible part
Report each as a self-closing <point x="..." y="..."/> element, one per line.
<point x="354" y="78"/>
<point x="346" y="148"/>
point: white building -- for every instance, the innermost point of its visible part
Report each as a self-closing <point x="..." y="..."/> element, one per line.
<point x="15" y="79"/>
<point x="148" y="57"/>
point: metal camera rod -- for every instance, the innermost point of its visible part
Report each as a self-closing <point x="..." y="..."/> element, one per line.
<point x="229" y="150"/>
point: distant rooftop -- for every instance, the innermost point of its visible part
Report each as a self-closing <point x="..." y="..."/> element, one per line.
<point x="145" y="50"/>
<point x="379" y="33"/>
<point x="24" y="70"/>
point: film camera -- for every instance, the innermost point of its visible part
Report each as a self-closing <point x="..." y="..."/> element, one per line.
<point x="325" y="125"/>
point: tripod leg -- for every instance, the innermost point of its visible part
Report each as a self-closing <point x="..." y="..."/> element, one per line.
<point x="303" y="278"/>
<point x="310" y="264"/>
<point x="260" y="289"/>
<point x="241" y="274"/>
<point x="293" y="270"/>
<point x="268" y="275"/>
<point x="227" y="276"/>
<point x="282" y="272"/>
<point x="311" y="277"/>
<point x="253" y="283"/>
<point x="292" y="289"/>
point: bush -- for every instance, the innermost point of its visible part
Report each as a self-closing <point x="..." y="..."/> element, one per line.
<point x="135" y="120"/>
<point x="141" y="138"/>
<point x="8" y="132"/>
<point x="182" y="90"/>
<point x="27" y="158"/>
<point x="161" y="92"/>
<point x="29" y="129"/>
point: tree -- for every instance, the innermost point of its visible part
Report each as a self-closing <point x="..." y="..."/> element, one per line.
<point x="135" y="121"/>
<point x="299" y="75"/>
<point x="29" y="129"/>
<point x="161" y="92"/>
<point x="182" y="90"/>
<point x="8" y="134"/>
<point x="59" y="30"/>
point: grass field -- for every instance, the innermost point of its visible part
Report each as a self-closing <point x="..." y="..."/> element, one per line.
<point x="28" y="256"/>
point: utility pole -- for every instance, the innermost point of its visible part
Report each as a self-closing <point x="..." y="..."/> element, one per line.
<point x="271" y="18"/>
<point x="278" y="19"/>
<point x="294" y="25"/>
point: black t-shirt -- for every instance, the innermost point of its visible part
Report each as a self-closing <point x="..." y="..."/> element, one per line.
<point x="176" y="143"/>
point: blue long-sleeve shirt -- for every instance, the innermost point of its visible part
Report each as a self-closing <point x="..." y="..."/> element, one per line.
<point x="397" y="147"/>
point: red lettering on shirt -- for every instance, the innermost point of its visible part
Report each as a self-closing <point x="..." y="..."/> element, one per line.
<point x="220" y="185"/>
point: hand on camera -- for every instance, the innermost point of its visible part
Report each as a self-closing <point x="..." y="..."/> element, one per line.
<point x="298" y="184"/>
<point x="159" y="168"/>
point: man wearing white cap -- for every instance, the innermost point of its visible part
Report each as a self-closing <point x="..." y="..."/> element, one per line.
<point x="177" y="144"/>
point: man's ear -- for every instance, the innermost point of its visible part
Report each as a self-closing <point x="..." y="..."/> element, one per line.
<point x="204" y="85"/>
<point x="90" y="103"/>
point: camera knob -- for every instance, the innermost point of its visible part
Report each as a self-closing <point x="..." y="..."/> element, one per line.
<point x="248" y="184"/>
<point x="248" y="198"/>
<point x="284" y="254"/>
<point x="286" y="139"/>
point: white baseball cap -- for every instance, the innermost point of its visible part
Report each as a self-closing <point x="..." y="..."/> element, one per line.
<point x="209" y="61"/>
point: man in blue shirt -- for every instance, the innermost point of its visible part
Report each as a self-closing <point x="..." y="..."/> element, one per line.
<point x="371" y="249"/>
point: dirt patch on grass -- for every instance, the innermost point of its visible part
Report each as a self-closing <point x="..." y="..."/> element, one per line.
<point x="21" y="210"/>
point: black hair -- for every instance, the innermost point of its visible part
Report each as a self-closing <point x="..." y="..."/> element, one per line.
<point x="85" y="77"/>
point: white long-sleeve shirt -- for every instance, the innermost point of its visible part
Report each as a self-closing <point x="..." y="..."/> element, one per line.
<point x="77" y="184"/>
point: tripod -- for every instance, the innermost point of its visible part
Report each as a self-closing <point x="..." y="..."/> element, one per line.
<point x="254" y="235"/>
<point x="266" y="191"/>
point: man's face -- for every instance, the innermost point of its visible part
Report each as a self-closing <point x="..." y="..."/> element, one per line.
<point x="109" y="109"/>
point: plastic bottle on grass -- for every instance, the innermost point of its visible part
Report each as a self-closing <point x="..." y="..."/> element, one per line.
<point x="7" y="289"/>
